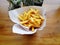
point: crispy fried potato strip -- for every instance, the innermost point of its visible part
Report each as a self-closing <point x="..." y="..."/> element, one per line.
<point x="32" y="19"/>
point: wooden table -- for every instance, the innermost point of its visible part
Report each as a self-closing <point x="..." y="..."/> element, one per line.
<point x="50" y="35"/>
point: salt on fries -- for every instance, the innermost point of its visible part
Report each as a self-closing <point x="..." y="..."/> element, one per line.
<point x="32" y="19"/>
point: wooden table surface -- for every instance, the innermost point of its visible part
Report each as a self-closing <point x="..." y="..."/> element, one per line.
<point x="50" y="35"/>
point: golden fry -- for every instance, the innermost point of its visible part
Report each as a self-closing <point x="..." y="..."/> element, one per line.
<point x="30" y="25"/>
<point x="31" y="20"/>
<point x="36" y="16"/>
<point x="23" y="22"/>
<point x="32" y="29"/>
<point x="38" y="21"/>
<point x="20" y="17"/>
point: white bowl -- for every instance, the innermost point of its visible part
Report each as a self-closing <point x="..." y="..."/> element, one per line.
<point x="13" y="14"/>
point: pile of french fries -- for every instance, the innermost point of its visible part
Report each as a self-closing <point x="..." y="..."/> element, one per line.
<point x="31" y="19"/>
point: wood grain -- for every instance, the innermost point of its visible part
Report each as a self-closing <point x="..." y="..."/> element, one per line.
<point x="50" y="35"/>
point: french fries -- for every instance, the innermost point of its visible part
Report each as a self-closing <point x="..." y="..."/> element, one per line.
<point x="32" y="28"/>
<point x="32" y="19"/>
